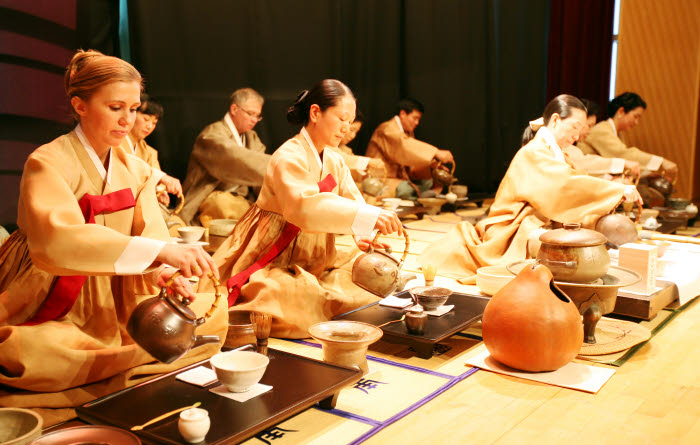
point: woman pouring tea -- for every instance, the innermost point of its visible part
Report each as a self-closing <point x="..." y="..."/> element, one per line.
<point x="281" y="257"/>
<point x="539" y="188"/>
<point x="89" y="232"/>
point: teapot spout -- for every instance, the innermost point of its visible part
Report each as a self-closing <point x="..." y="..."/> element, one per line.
<point x="201" y="340"/>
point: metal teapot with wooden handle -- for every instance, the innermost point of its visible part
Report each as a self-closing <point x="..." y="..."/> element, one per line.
<point x="164" y="325"/>
<point x="379" y="272"/>
<point x="442" y="176"/>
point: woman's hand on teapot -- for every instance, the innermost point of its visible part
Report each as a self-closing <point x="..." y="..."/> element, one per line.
<point x="172" y="185"/>
<point x="190" y="260"/>
<point x="375" y="163"/>
<point x="180" y="285"/>
<point x="364" y="242"/>
<point x="632" y="167"/>
<point x="670" y="170"/>
<point x="388" y="222"/>
<point x="632" y="194"/>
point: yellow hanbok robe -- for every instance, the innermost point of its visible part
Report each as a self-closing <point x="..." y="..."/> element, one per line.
<point x="536" y="189"/>
<point x="87" y="353"/>
<point x="398" y="149"/>
<point x="309" y="281"/>
<point x="593" y="164"/>
<point x="222" y="168"/>
<point x="603" y="140"/>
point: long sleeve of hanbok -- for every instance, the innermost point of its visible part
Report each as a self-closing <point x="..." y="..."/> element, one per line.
<point x="59" y="240"/>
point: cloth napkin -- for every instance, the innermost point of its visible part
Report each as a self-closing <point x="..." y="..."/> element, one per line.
<point x="200" y="376"/>
<point x="254" y="391"/>
<point x="394" y="301"/>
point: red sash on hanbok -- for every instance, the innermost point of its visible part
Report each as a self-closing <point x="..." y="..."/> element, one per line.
<point x="289" y="232"/>
<point x="66" y="288"/>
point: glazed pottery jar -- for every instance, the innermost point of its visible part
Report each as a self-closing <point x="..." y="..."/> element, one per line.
<point x="532" y="325"/>
<point x="574" y="254"/>
<point x="194" y="424"/>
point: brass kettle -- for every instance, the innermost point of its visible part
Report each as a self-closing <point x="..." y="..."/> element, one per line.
<point x="378" y="272"/>
<point x="164" y="325"/>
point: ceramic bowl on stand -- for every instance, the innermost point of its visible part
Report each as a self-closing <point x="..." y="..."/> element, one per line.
<point x="345" y="343"/>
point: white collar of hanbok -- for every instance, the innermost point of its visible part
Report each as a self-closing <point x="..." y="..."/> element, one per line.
<point x="313" y="147"/>
<point x="106" y="175"/>
<point x="233" y="129"/>
<point x="612" y="124"/>
<point x="398" y="122"/>
<point x="130" y="144"/>
<point x="548" y="137"/>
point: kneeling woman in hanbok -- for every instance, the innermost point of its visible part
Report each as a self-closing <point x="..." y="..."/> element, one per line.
<point x="539" y="188"/>
<point x="89" y="230"/>
<point x="281" y="258"/>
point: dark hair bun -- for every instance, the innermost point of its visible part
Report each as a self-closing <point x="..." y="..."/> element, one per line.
<point x="296" y="114"/>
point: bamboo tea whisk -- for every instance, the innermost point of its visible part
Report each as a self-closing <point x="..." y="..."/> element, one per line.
<point x="262" y="323"/>
<point x="429" y="272"/>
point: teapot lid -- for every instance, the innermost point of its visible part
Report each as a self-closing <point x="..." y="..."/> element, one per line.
<point x="174" y="299"/>
<point x="573" y="235"/>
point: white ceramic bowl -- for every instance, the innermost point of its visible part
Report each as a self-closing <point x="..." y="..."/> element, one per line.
<point x="19" y="426"/>
<point x="190" y="234"/>
<point x="239" y="370"/>
<point x="491" y="279"/>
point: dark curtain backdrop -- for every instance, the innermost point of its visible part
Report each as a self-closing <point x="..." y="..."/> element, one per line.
<point x="580" y="47"/>
<point x="478" y="66"/>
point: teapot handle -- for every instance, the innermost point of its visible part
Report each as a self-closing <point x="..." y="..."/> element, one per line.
<point x="187" y="301"/>
<point x="160" y="189"/>
<point x="405" y="249"/>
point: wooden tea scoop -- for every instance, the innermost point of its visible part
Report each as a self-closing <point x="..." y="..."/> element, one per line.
<point x="393" y="321"/>
<point x="262" y="323"/>
<point x="159" y="418"/>
<point x="648" y="234"/>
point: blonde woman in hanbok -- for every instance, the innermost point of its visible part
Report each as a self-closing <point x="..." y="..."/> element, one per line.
<point x="89" y="232"/>
<point x="281" y="258"/>
<point x="539" y="188"/>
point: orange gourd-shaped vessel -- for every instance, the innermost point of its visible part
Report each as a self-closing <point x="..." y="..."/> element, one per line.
<point x="530" y="324"/>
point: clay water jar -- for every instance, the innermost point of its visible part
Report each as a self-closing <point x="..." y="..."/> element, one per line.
<point x="574" y="254"/>
<point x="530" y="324"/>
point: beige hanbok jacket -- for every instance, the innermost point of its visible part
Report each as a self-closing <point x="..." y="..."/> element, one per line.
<point x="217" y="162"/>
<point x="142" y="150"/>
<point x="397" y="149"/>
<point x="604" y="141"/>
<point x="536" y="189"/>
<point x="87" y="353"/>
<point x="310" y="281"/>
<point x="356" y="164"/>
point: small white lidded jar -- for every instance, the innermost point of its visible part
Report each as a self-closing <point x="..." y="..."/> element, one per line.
<point x="194" y="424"/>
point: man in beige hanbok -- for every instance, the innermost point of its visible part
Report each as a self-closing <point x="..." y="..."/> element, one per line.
<point x="309" y="281"/>
<point x="405" y="157"/>
<point x="538" y="188"/>
<point x="86" y="352"/>
<point x="227" y="163"/>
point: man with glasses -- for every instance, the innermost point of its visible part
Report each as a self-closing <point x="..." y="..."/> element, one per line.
<point x="227" y="164"/>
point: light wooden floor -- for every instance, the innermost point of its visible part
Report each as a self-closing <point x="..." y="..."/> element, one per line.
<point x="654" y="398"/>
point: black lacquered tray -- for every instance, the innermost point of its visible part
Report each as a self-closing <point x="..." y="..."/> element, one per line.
<point x="298" y="383"/>
<point x="468" y="309"/>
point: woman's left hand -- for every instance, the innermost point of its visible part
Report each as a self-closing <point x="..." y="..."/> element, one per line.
<point x="181" y="285"/>
<point x="172" y="185"/>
